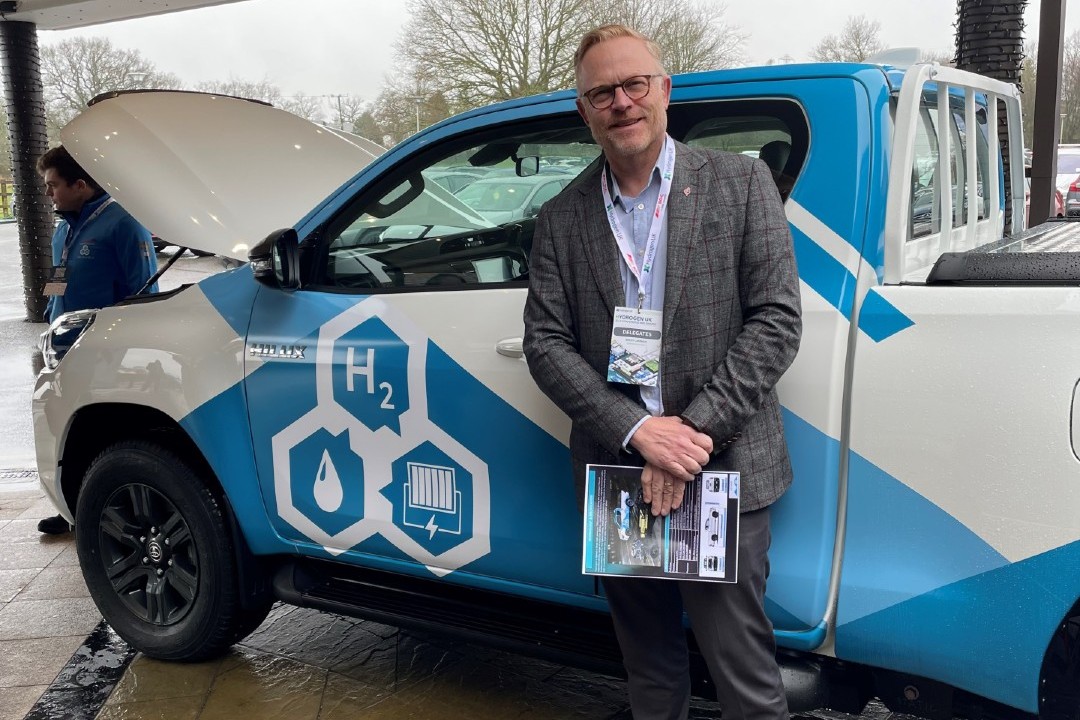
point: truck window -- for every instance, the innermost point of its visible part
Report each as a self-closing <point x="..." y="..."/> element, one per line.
<point x="773" y="130"/>
<point x="460" y="218"/>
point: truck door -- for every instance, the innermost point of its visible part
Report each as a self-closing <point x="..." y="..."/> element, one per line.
<point x="962" y="485"/>
<point x="395" y="419"/>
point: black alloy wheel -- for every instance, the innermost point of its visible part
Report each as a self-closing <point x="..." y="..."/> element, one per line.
<point x="158" y="557"/>
<point x="150" y="556"/>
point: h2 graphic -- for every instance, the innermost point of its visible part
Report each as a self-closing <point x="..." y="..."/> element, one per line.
<point x="371" y="375"/>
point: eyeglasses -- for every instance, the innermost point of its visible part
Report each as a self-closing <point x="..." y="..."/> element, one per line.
<point x="635" y="87"/>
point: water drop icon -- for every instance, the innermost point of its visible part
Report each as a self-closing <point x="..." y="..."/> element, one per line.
<point x="328" y="490"/>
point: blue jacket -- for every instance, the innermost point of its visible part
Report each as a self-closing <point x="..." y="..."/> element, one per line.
<point x="111" y="257"/>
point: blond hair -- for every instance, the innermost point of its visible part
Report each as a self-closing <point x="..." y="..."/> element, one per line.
<point x="610" y="32"/>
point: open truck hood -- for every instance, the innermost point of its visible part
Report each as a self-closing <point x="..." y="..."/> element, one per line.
<point x="210" y="172"/>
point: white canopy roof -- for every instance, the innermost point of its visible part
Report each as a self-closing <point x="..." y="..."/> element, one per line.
<point x="67" y="14"/>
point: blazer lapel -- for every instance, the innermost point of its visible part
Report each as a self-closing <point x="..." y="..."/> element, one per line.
<point x="683" y="231"/>
<point x="600" y="247"/>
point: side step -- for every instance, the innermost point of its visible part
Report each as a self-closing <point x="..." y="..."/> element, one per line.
<point x="562" y="634"/>
<point x="557" y="633"/>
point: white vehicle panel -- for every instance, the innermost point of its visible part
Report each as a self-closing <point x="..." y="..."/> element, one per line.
<point x="1004" y="359"/>
<point x="450" y="324"/>
<point x="172" y="355"/>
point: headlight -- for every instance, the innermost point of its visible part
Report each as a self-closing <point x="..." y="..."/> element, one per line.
<point x="62" y="334"/>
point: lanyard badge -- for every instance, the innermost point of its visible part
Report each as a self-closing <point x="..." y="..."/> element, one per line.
<point x="636" y="333"/>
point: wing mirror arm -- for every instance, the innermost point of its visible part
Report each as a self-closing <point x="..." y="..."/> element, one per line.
<point x="275" y="261"/>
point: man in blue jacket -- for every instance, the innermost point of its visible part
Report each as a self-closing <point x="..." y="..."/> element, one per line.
<point x="100" y="253"/>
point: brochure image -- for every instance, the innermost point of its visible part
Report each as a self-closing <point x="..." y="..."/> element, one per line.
<point x="698" y="541"/>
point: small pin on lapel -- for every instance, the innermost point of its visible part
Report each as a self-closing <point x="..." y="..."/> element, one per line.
<point x="686" y="191"/>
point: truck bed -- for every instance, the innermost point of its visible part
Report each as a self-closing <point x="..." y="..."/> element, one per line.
<point x="1048" y="254"/>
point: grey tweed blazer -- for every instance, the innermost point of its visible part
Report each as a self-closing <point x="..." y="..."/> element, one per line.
<point x="731" y="318"/>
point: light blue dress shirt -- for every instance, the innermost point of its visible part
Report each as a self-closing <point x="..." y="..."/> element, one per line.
<point x="634" y="215"/>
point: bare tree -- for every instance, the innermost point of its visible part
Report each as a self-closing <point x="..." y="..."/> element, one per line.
<point x="76" y="70"/>
<point x="1027" y="87"/>
<point x="1070" y="90"/>
<point x="309" y="107"/>
<point x="480" y="51"/>
<point x="345" y="111"/>
<point x="407" y="105"/>
<point x="855" y="43"/>
<point x="693" y="36"/>
<point x="252" y="90"/>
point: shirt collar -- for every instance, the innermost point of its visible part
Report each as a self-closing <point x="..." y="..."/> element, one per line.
<point x="616" y="193"/>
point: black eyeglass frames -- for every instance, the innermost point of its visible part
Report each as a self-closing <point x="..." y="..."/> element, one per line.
<point x="635" y="87"/>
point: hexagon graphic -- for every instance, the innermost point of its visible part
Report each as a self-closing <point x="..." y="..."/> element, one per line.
<point x="440" y="499"/>
<point x="381" y="381"/>
<point x="304" y="483"/>
<point x="327" y="481"/>
<point x="367" y="460"/>
<point x="432" y="497"/>
<point x="371" y="382"/>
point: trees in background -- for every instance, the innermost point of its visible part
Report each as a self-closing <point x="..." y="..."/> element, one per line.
<point x="474" y="52"/>
<point x="1070" y="89"/>
<point x="858" y="40"/>
<point x="76" y="70"/>
<point x="459" y="54"/>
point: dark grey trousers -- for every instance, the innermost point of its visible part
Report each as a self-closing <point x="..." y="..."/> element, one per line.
<point x="730" y="626"/>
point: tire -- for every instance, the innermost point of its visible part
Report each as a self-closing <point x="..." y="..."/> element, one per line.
<point x="157" y="555"/>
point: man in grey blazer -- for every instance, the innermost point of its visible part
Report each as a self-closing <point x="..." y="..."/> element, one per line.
<point x="716" y="268"/>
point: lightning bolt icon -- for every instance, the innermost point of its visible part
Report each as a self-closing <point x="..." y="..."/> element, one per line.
<point x="431" y="527"/>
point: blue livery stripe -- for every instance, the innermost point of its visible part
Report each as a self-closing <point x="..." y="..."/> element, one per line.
<point x="823" y="273"/>
<point x="880" y="319"/>
<point x="1004" y="617"/>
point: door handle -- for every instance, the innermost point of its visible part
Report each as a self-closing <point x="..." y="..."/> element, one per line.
<point x="510" y="347"/>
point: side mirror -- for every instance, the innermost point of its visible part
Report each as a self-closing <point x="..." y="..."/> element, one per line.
<point x="275" y="261"/>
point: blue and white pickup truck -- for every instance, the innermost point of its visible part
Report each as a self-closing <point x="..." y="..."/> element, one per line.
<point x="347" y="422"/>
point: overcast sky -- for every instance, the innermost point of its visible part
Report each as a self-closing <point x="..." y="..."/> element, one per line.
<point x="323" y="47"/>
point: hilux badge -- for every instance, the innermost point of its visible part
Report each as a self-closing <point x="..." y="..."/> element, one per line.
<point x="265" y="351"/>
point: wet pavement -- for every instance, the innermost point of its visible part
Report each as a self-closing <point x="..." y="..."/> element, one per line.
<point x="60" y="661"/>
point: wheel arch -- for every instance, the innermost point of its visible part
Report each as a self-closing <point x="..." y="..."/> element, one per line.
<point x="96" y="427"/>
<point x="1059" y="677"/>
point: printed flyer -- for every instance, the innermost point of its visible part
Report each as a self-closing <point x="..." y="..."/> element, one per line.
<point x="698" y="541"/>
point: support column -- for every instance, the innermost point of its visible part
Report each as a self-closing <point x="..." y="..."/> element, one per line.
<point x="29" y="140"/>
<point x="1047" y="106"/>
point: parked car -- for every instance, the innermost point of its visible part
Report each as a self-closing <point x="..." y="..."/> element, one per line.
<point x="505" y="199"/>
<point x="1059" y="201"/>
<point x="1068" y="167"/>
<point x="1072" y="199"/>
<point x="453" y="179"/>
<point x="347" y="423"/>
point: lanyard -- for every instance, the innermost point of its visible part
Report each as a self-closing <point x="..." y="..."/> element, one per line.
<point x="70" y="242"/>
<point x="643" y="275"/>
